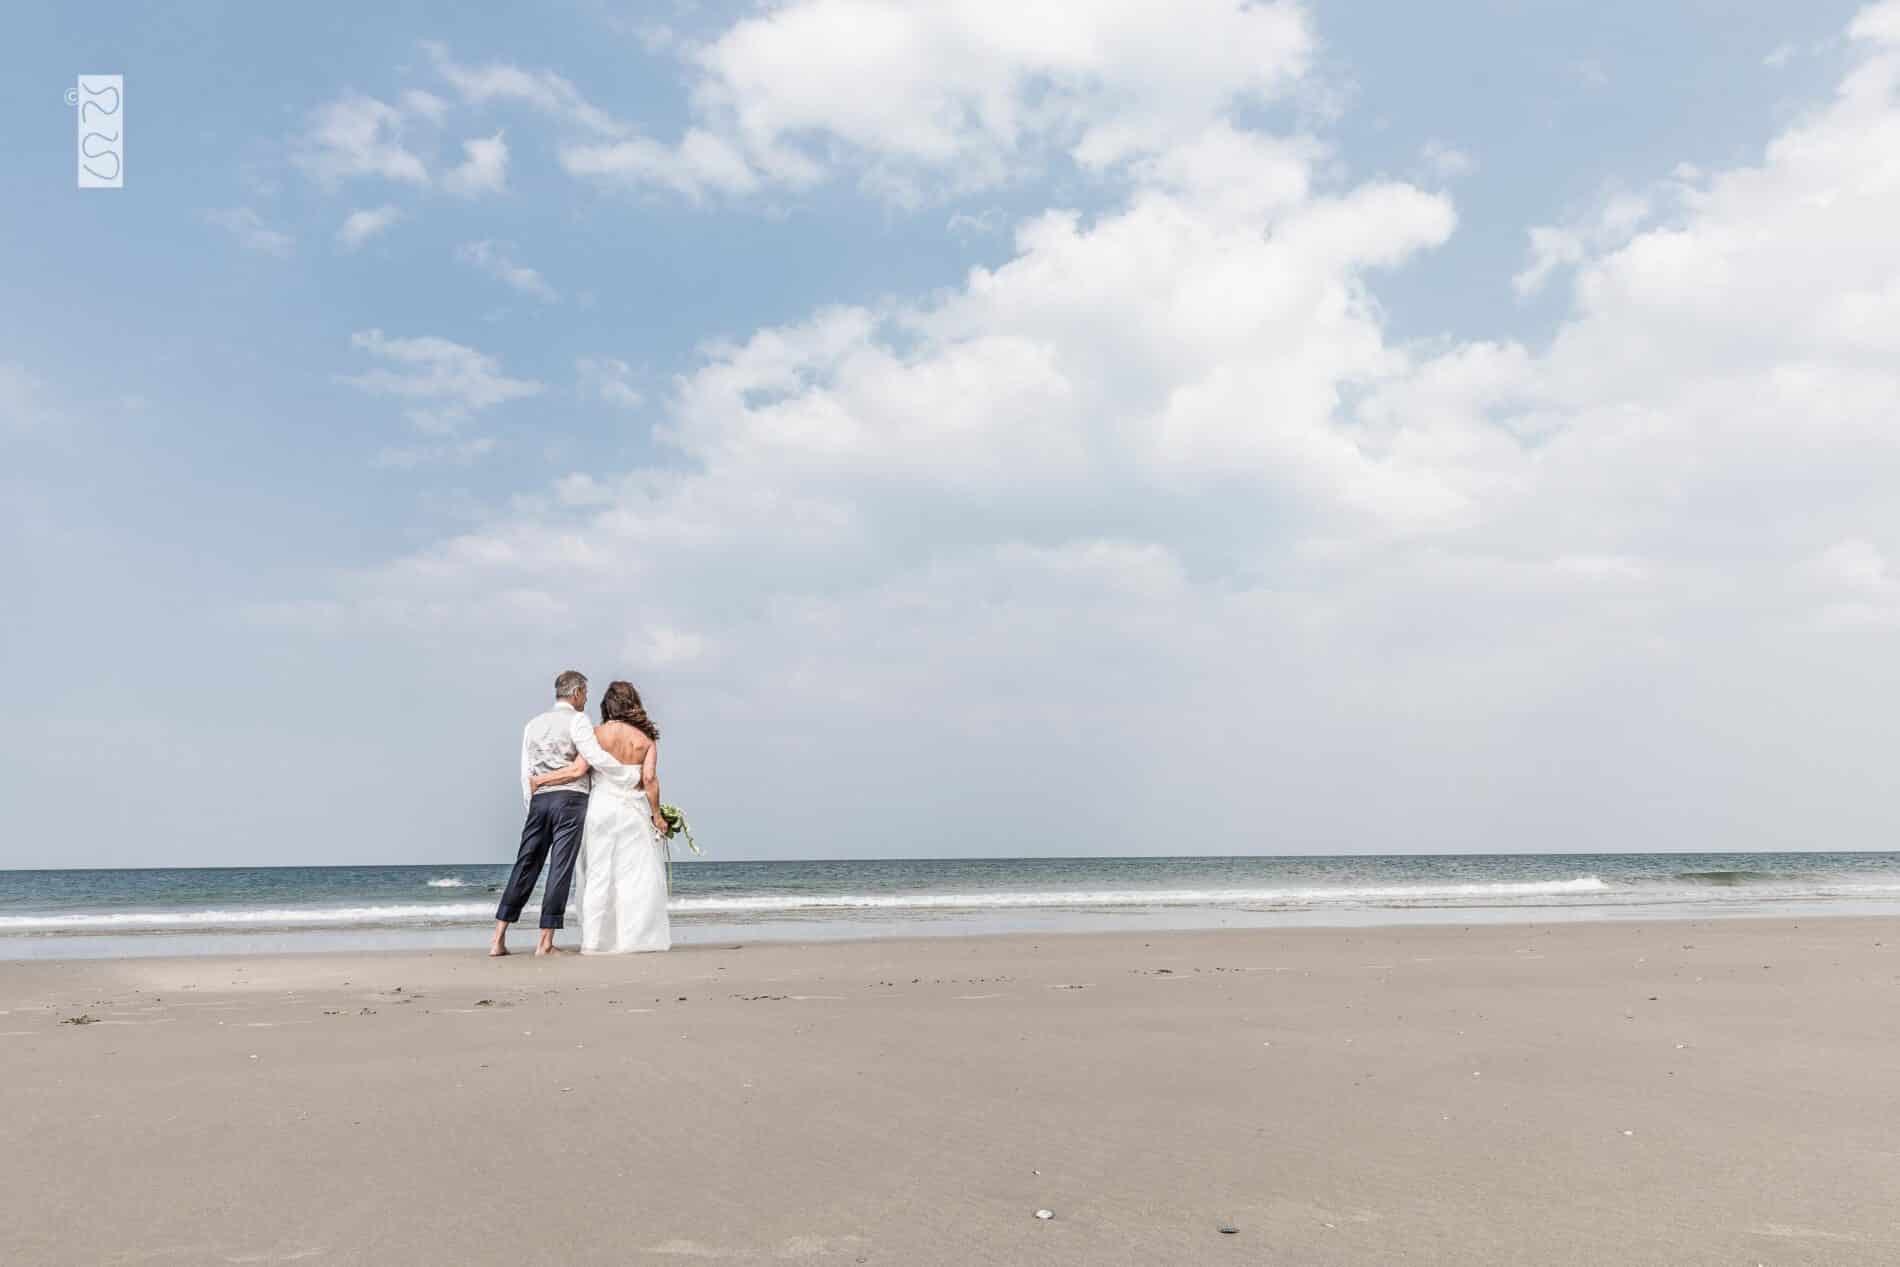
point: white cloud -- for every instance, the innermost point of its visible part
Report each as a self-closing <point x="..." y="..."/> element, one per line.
<point x="451" y="452"/>
<point x="1854" y="564"/>
<point x="1552" y="249"/>
<point x="1858" y="589"/>
<point x="1877" y="24"/>
<point x="663" y="647"/>
<point x="1555" y="248"/>
<point x="542" y="90"/>
<point x="494" y="258"/>
<point x="581" y="489"/>
<point x="365" y="223"/>
<point x="251" y="232"/>
<point x="1170" y="353"/>
<point x="1236" y="174"/>
<point x="1158" y="512"/>
<point x="1447" y="162"/>
<point x="658" y="38"/>
<point x="484" y="168"/>
<point x="358" y="136"/>
<point x="445" y="382"/>
<point x="701" y="164"/>
<point x="610" y="380"/>
<point x="968" y="224"/>
<point x="425" y="105"/>
<point x="1780" y="56"/>
<point x="957" y="95"/>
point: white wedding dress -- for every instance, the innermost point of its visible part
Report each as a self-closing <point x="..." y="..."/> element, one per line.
<point x="621" y="872"/>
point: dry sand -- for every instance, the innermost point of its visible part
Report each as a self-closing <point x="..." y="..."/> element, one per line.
<point x="1604" y="1094"/>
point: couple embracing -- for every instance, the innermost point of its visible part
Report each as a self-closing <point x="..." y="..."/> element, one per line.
<point x="593" y="798"/>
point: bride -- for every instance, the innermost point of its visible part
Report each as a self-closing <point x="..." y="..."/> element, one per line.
<point x="620" y="876"/>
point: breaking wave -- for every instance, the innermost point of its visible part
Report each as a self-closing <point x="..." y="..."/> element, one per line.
<point x="450" y="913"/>
<point x="273" y="917"/>
<point x="839" y="897"/>
<point x="1059" y="899"/>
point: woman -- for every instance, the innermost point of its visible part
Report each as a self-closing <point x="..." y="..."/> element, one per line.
<point x="620" y="876"/>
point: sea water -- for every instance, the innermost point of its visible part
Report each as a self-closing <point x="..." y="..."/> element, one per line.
<point x="61" y="914"/>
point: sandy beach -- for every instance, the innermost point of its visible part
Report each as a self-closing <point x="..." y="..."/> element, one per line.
<point x="1669" y="1093"/>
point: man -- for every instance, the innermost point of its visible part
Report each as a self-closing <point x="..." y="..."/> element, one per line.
<point x="556" y="813"/>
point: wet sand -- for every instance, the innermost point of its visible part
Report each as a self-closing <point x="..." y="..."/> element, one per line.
<point x="1667" y="1093"/>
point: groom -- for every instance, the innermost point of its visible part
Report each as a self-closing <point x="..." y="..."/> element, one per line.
<point x="556" y="813"/>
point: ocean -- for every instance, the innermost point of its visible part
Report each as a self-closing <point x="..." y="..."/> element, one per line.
<point x="92" y="913"/>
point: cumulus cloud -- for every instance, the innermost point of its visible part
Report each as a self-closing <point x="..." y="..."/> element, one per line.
<point x="581" y="489"/>
<point x="541" y="90"/>
<point x="362" y="137"/>
<point x="1158" y="512"/>
<point x="496" y="260"/>
<point x="425" y="105"/>
<point x="1554" y="248"/>
<point x="1877" y="24"/>
<point x="599" y="147"/>
<point x="965" y="224"/>
<point x="1854" y="564"/>
<point x="1854" y="587"/>
<point x="1447" y="162"/>
<point x="483" y="170"/>
<point x="701" y="163"/>
<point x="365" y="223"/>
<point x="611" y="380"/>
<point x="445" y="382"/>
<point x="956" y="96"/>
<point x="454" y="452"/>
<point x="251" y="232"/>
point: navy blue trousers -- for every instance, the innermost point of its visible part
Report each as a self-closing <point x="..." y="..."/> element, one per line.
<point x="554" y="827"/>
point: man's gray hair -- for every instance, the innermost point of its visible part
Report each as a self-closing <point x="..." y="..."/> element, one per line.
<point x="569" y="684"/>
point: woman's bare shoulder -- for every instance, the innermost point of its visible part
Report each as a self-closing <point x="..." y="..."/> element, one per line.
<point x="625" y="742"/>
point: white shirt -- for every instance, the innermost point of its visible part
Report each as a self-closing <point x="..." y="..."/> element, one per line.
<point x="551" y="741"/>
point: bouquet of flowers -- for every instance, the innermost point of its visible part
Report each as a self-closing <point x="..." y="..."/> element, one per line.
<point x="676" y="825"/>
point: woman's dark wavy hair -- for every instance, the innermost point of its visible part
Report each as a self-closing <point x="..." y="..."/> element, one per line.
<point x="622" y="703"/>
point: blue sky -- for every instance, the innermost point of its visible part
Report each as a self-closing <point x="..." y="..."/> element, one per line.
<point x="978" y="429"/>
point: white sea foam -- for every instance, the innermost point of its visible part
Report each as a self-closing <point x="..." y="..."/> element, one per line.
<point x="1138" y="897"/>
<point x="449" y="882"/>
<point x="762" y="904"/>
<point x="275" y="917"/>
<point x="1583" y="890"/>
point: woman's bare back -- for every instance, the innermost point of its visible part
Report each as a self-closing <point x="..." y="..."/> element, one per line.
<point x="628" y="745"/>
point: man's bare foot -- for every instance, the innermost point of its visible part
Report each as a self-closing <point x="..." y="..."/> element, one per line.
<point x="497" y="950"/>
<point x="541" y="951"/>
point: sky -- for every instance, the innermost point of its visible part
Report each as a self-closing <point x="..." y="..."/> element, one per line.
<point x="979" y="429"/>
